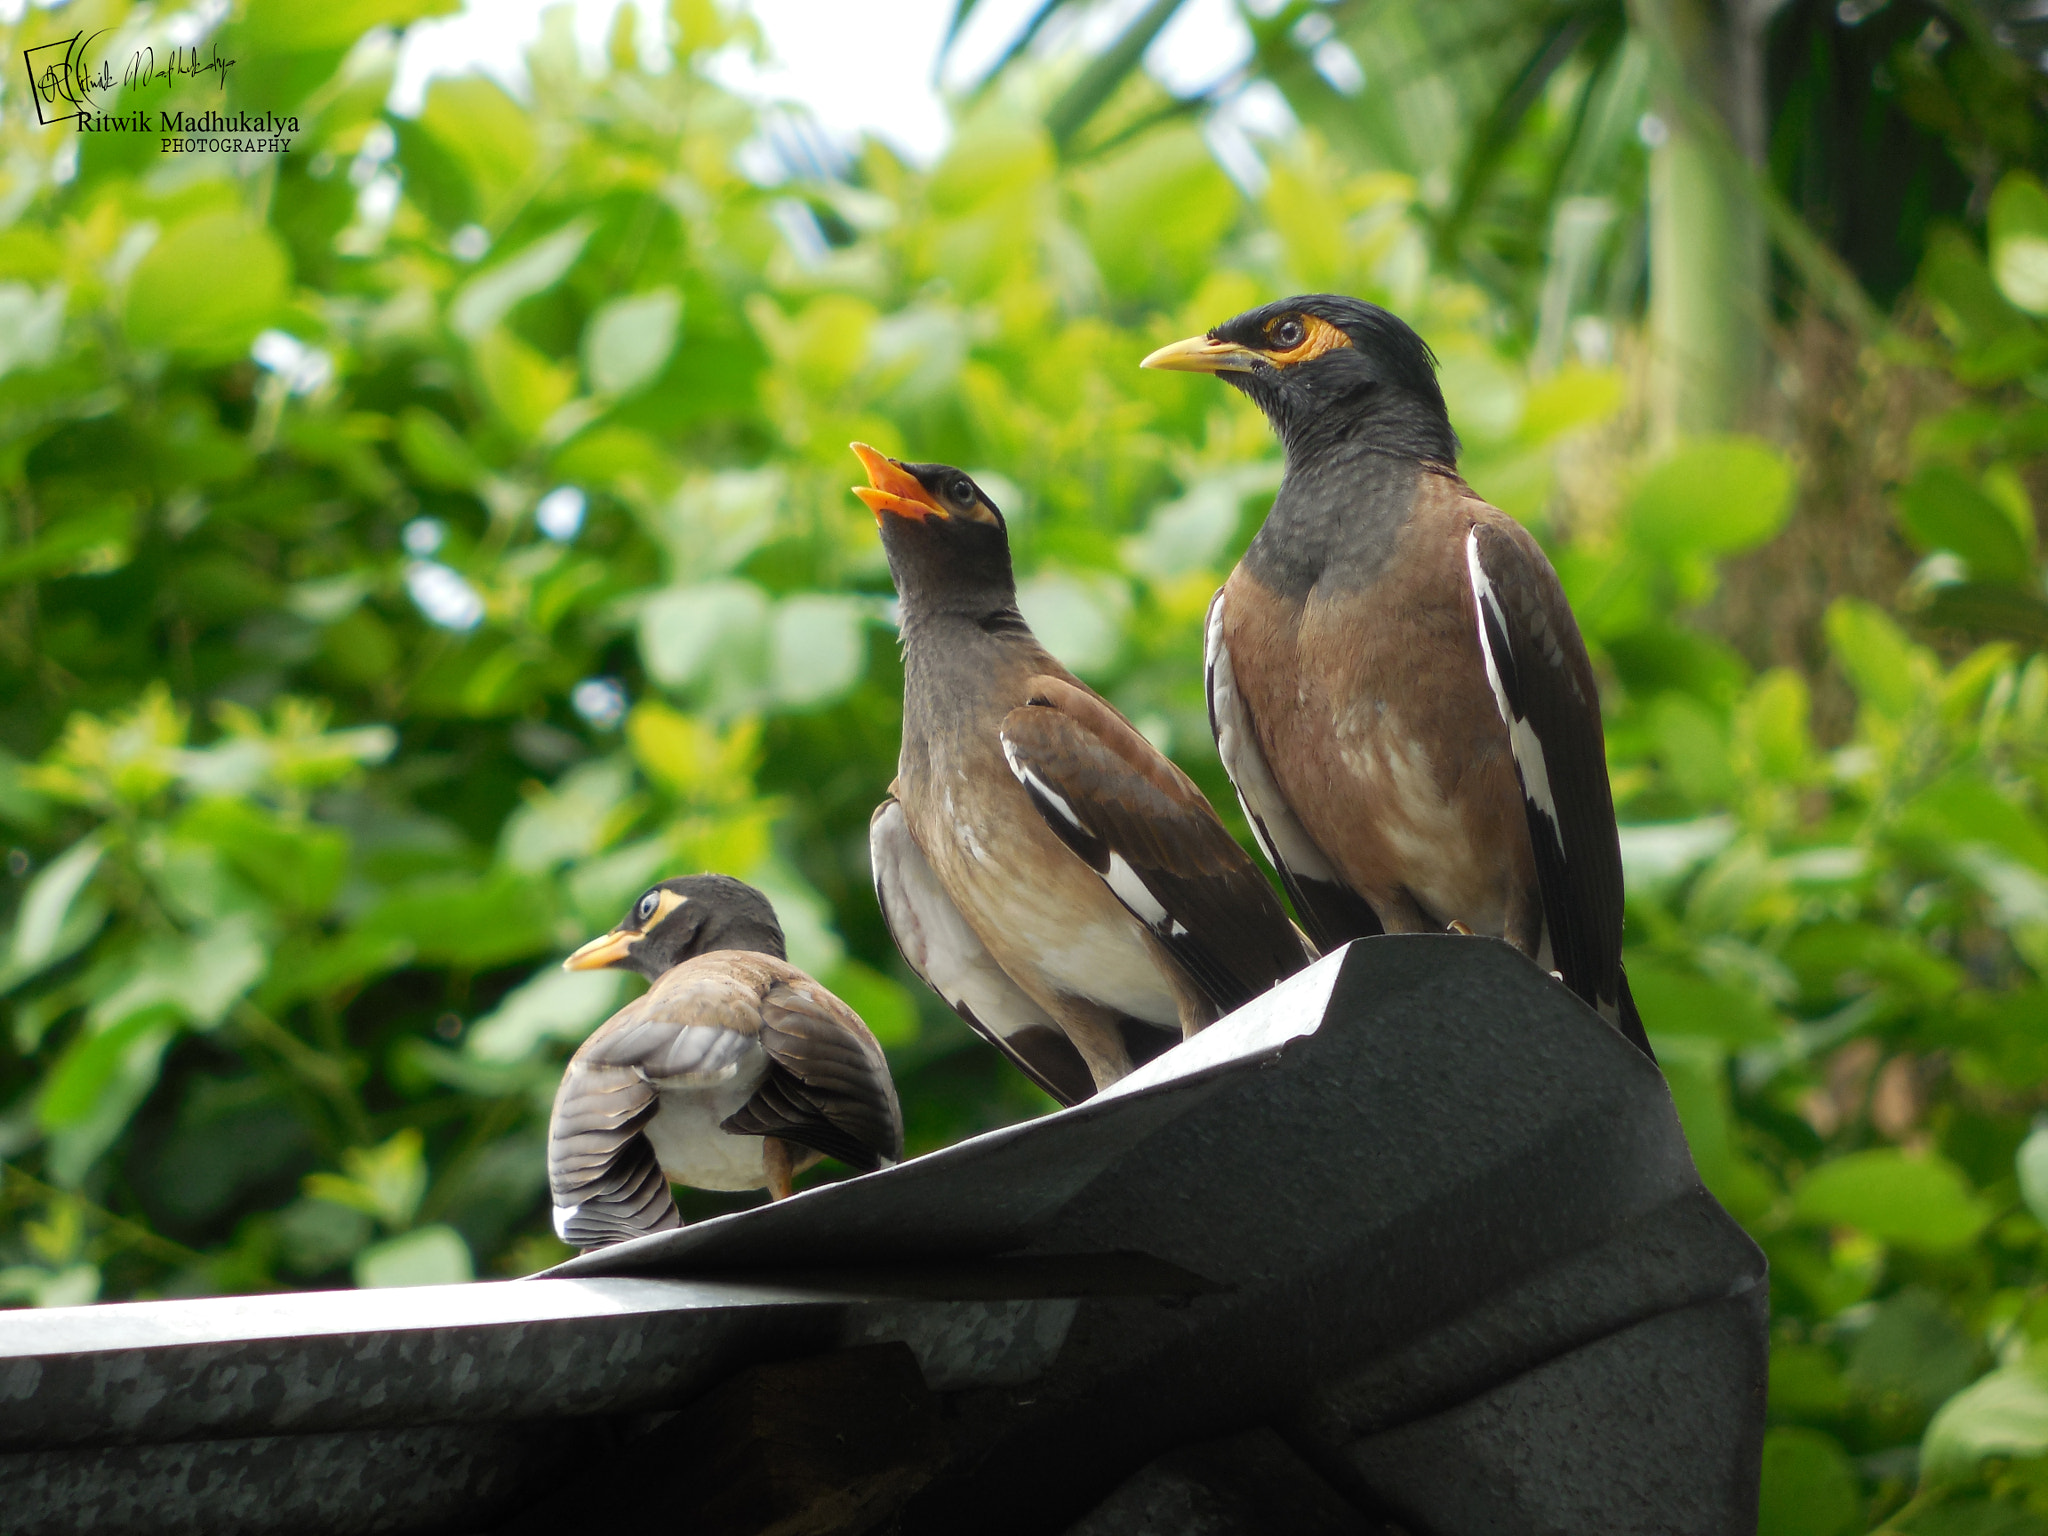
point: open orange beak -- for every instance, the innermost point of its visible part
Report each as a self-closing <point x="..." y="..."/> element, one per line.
<point x="892" y="488"/>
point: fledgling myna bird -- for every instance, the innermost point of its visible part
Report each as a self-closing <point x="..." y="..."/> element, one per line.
<point x="734" y="1070"/>
<point x="1046" y="870"/>
<point x="1396" y="683"/>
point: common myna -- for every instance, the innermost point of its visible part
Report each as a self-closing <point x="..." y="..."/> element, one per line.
<point x="1396" y="684"/>
<point x="1044" y="868"/>
<point x="734" y="1070"/>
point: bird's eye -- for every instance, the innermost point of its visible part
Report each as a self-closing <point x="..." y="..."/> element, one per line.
<point x="1288" y="333"/>
<point x="961" y="491"/>
<point x="647" y="905"/>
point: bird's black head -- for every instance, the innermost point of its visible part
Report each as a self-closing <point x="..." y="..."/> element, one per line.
<point x="948" y="547"/>
<point x="1326" y="368"/>
<point x="679" y="918"/>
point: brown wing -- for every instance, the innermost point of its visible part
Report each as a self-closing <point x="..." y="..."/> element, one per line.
<point x="1141" y="824"/>
<point x="1544" y="687"/>
<point x="603" y="1177"/>
<point x="828" y="1084"/>
<point x="949" y="957"/>
<point x="1329" y="909"/>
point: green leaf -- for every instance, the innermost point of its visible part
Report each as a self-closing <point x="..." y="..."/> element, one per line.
<point x="1809" y="1488"/>
<point x="96" y="539"/>
<point x="628" y="341"/>
<point x="436" y="452"/>
<point x="555" y="1005"/>
<point x="464" y="921"/>
<point x="2031" y="1164"/>
<point x="31" y="325"/>
<point x="288" y="26"/>
<point x="1190" y="534"/>
<point x="1683" y="1002"/>
<point x="316" y="1235"/>
<point x="55" y="917"/>
<point x="80" y="1079"/>
<point x="1079" y="618"/>
<point x="567" y="821"/>
<point x="434" y="1255"/>
<point x="298" y="867"/>
<point x="1987" y="608"/>
<point x="1485" y="397"/>
<point x="1694" y="749"/>
<point x="1107" y="71"/>
<point x="2005" y="1415"/>
<point x="1943" y="508"/>
<point x="1155" y="213"/>
<point x="76" y="1285"/>
<point x="817" y="647"/>
<point x="684" y="631"/>
<point x="1967" y="303"/>
<point x="1921" y="1203"/>
<point x="525" y="386"/>
<point x="1886" y="670"/>
<point x="883" y="1006"/>
<point x="179" y="299"/>
<point x="95" y="1088"/>
<point x="1962" y="807"/>
<point x="491" y="295"/>
<point x="2018" y="226"/>
<point x="197" y="977"/>
<point x="1714" y="496"/>
<point x="487" y="146"/>
<point x="1914" y="1348"/>
<point x="1772" y="723"/>
<point x="1696" y="1071"/>
<point x="1805" y="1382"/>
<point x="386" y="1181"/>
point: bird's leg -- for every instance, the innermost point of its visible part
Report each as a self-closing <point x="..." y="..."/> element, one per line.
<point x="1460" y="926"/>
<point x="1399" y="911"/>
<point x="1197" y="1012"/>
<point x="780" y="1165"/>
<point x="1525" y="924"/>
<point x="1094" y="1032"/>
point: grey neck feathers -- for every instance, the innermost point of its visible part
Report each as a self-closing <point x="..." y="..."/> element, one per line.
<point x="743" y="932"/>
<point x="1336" y="519"/>
<point x="1361" y="418"/>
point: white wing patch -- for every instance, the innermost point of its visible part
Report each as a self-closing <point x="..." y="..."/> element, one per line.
<point x="1282" y="838"/>
<point x="1522" y="738"/>
<point x="1133" y="893"/>
<point x="564" y="1214"/>
<point x="1033" y="781"/>
<point x="935" y="938"/>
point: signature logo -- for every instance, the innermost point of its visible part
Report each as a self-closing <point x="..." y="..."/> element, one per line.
<point x="68" y="79"/>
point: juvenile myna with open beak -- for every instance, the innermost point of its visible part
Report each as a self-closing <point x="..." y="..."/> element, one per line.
<point x="1396" y="683"/>
<point x="1045" y="868"/>
<point x="734" y="1070"/>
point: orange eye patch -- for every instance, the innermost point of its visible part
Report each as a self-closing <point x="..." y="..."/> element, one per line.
<point x="1319" y="337"/>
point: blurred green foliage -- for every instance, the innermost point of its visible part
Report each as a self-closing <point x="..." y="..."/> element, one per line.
<point x="412" y="546"/>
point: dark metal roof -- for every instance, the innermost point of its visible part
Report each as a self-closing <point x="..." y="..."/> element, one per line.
<point x="1415" y="1229"/>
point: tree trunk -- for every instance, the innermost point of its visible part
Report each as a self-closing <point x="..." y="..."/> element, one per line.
<point x="1708" y="242"/>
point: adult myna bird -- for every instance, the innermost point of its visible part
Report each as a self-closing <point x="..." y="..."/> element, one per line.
<point x="1044" y="868"/>
<point x="1396" y="684"/>
<point x="734" y="1070"/>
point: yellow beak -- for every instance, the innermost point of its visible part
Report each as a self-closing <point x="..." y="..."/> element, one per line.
<point x="606" y="949"/>
<point x="1204" y="354"/>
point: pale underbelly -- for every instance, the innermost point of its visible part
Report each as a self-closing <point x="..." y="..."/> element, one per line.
<point x="693" y="1150"/>
<point x="1085" y="945"/>
<point x="1069" y="931"/>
